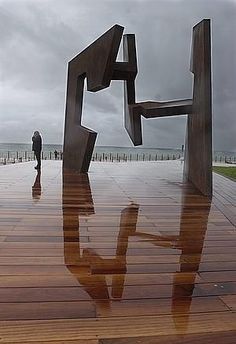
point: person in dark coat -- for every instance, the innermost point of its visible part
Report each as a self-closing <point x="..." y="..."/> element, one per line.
<point x="56" y="154"/>
<point x="37" y="148"/>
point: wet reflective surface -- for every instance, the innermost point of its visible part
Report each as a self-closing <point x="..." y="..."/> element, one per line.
<point x="129" y="247"/>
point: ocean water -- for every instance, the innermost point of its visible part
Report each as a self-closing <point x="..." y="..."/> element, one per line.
<point x="23" y="151"/>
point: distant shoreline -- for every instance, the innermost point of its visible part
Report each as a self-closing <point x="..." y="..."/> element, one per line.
<point x="17" y="152"/>
<point x="13" y="147"/>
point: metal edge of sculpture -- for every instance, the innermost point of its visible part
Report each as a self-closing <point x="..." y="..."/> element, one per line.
<point x="98" y="64"/>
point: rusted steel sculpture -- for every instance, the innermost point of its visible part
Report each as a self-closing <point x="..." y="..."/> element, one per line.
<point x="198" y="147"/>
<point x="98" y="64"/>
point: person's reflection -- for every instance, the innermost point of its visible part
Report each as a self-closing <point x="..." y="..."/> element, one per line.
<point x="77" y="201"/>
<point x="36" y="188"/>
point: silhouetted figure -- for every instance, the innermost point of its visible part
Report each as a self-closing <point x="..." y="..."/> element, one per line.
<point x="37" y="148"/>
<point x="56" y="154"/>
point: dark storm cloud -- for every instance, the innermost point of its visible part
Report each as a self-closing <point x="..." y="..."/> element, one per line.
<point x="39" y="37"/>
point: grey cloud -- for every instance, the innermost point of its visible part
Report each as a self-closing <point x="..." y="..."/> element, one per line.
<point x="38" y="39"/>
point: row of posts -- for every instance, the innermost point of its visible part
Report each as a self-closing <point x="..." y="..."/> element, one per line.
<point x="133" y="157"/>
<point x="13" y="157"/>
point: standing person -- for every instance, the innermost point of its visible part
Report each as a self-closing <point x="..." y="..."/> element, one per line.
<point x="37" y="148"/>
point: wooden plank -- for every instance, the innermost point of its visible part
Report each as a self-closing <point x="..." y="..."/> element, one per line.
<point x="47" y="310"/>
<point x="101" y="292"/>
<point x="67" y="275"/>
<point x="28" y="280"/>
<point x="130" y="260"/>
<point x="230" y="301"/>
<point x="221" y="276"/>
<point x="102" y="328"/>
<point x="206" y="338"/>
<point x="149" y="307"/>
<point x="39" y="270"/>
<point x="77" y="341"/>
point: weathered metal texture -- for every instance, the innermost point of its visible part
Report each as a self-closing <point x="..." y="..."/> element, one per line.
<point x="149" y="109"/>
<point x="96" y="64"/>
<point x="131" y="120"/>
<point x="198" y="151"/>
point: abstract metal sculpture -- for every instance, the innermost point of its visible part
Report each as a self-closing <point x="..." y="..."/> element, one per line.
<point x="98" y="64"/>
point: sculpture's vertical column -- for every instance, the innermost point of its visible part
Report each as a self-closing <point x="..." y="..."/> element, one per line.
<point x="78" y="140"/>
<point x="198" y="151"/>
<point x="132" y="121"/>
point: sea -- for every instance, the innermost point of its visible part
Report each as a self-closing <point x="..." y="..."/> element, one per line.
<point x="16" y="151"/>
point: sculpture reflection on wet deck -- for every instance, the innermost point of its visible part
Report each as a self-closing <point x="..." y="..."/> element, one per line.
<point x="98" y="65"/>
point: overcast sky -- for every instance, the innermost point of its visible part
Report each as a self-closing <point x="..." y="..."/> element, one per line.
<point x="39" y="37"/>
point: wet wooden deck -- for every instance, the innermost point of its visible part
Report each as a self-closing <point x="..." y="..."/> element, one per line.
<point x="126" y="255"/>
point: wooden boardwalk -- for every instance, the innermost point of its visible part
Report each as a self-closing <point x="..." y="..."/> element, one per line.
<point x="128" y="254"/>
